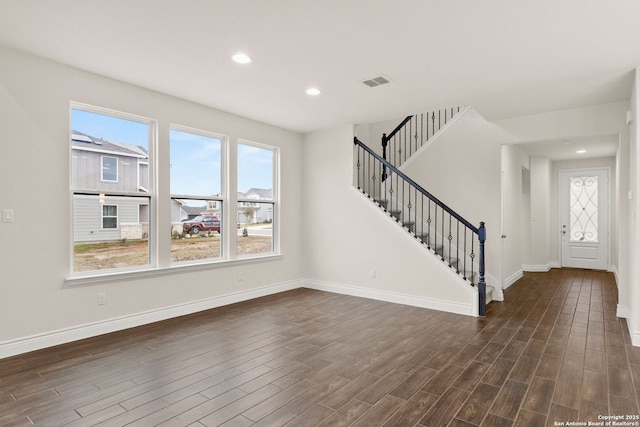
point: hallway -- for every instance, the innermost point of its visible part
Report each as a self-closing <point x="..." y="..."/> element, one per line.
<point x="554" y="351"/>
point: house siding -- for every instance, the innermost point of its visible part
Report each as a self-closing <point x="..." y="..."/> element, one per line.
<point x="88" y="217"/>
<point x="87" y="167"/>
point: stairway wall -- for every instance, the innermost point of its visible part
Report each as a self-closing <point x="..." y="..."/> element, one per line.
<point x="347" y="237"/>
<point x="461" y="167"/>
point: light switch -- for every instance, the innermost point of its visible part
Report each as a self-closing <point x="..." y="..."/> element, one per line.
<point x="7" y="215"/>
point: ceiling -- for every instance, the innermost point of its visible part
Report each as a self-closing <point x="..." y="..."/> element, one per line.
<point x="564" y="149"/>
<point x="506" y="58"/>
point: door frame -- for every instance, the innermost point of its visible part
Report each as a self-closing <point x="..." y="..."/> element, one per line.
<point x="607" y="169"/>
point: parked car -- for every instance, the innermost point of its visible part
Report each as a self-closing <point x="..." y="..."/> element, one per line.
<point x="201" y="223"/>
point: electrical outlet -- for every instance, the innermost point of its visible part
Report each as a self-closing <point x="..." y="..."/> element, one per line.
<point x="102" y="299"/>
<point x="7" y="215"/>
<point x="373" y="274"/>
<point x="240" y="276"/>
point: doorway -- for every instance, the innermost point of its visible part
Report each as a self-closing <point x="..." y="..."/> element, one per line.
<point x="584" y="218"/>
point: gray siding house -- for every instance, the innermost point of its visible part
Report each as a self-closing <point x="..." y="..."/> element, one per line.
<point x="107" y="167"/>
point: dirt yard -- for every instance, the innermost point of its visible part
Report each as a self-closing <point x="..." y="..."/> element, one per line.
<point x="101" y="256"/>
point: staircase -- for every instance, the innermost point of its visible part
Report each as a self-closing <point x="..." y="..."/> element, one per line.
<point x="443" y="232"/>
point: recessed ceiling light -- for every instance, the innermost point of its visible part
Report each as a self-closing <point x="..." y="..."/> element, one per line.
<point x="241" y="58"/>
<point x="313" y="91"/>
<point x="581" y="151"/>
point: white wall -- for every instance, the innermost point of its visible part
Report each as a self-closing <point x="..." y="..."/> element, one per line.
<point x="634" y="212"/>
<point x="540" y="172"/>
<point x="348" y="238"/>
<point x="605" y="119"/>
<point x="462" y="169"/>
<point x="515" y="215"/>
<point x="34" y="167"/>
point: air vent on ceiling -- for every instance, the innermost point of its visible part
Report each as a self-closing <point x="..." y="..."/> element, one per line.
<point x="376" y="81"/>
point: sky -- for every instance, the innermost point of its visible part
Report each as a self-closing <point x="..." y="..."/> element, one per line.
<point x="195" y="159"/>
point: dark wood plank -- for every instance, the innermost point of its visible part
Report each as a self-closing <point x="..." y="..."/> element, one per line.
<point x="539" y="395"/>
<point x="413" y="410"/>
<point x="509" y="399"/>
<point x="554" y="350"/>
<point x="479" y="402"/>
<point x="444" y="410"/>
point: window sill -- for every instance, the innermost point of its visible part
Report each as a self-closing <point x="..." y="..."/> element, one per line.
<point x="163" y="271"/>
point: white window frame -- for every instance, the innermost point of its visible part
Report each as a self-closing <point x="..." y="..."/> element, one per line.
<point x="102" y="168"/>
<point x="274" y="201"/>
<point x="220" y="199"/>
<point x="159" y="263"/>
<point x="150" y="198"/>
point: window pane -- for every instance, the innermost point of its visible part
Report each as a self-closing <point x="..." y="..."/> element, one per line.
<point x="195" y="164"/>
<point x="255" y="183"/>
<point x="109" y="216"/>
<point x="196" y="170"/>
<point x="109" y="169"/>
<point x="583" y="202"/>
<point x="108" y="233"/>
<point x="255" y="169"/>
<point x="196" y="235"/>
<point x="255" y="234"/>
<point x="109" y="156"/>
<point x="92" y="136"/>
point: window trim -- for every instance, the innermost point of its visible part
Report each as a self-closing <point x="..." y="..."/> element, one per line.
<point x="151" y="196"/>
<point x="102" y="217"/>
<point x="159" y="263"/>
<point x="220" y="198"/>
<point x="275" y="196"/>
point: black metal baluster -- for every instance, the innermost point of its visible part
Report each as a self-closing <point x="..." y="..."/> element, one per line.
<point x="458" y="245"/>
<point x="402" y="160"/>
<point x="472" y="255"/>
<point x="422" y="219"/>
<point x="433" y="123"/>
<point x="464" y="267"/>
<point x="450" y="237"/>
<point x="358" y="167"/>
<point x="482" y="289"/>
<point x="421" y="129"/>
<point x="442" y="233"/>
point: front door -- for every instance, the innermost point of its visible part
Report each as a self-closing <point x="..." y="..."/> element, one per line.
<point x="584" y="218"/>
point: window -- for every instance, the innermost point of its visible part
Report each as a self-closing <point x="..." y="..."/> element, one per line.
<point x="197" y="228"/>
<point x="109" y="216"/>
<point x="256" y="198"/>
<point x="109" y="162"/>
<point x="115" y="200"/>
<point x="109" y="169"/>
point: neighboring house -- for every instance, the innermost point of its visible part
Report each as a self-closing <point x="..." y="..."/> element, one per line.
<point x="107" y="166"/>
<point x="261" y="212"/>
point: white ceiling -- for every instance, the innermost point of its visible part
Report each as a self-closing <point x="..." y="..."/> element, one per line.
<point x="506" y="58"/>
<point x="594" y="146"/>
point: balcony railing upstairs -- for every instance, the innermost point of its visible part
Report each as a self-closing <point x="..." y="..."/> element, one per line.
<point x="412" y="133"/>
<point x="443" y="231"/>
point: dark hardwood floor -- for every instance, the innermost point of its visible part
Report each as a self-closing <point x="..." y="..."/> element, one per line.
<point x="554" y="351"/>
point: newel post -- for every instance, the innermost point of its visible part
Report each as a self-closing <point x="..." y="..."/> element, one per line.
<point x="482" y="286"/>
<point x="384" y="155"/>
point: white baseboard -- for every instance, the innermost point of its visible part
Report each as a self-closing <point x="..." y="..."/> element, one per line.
<point x="540" y="268"/>
<point x="512" y="279"/>
<point x="623" y="311"/>
<point x="394" y="297"/>
<point x="62" y="336"/>
<point x="635" y="336"/>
